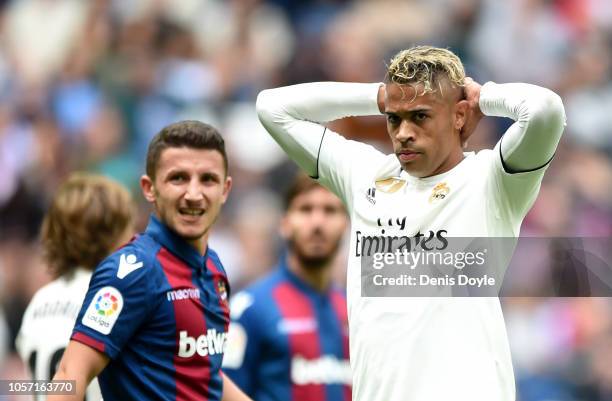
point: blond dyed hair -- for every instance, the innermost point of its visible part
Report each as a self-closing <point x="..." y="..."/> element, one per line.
<point x="428" y="66"/>
<point x="86" y="219"/>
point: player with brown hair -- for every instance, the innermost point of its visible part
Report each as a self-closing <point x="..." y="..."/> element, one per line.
<point x="153" y="324"/>
<point x="89" y="217"/>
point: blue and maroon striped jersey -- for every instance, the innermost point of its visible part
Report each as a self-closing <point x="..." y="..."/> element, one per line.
<point x="289" y="342"/>
<point x="159" y="310"/>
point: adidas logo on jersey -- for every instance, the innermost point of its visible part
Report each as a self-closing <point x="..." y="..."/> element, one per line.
<point x="211" y="343"/>
<point x="370" y="195"/>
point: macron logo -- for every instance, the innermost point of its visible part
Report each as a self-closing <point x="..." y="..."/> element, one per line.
<point x="211" y="343"/>
<point x="127" y="264"/>
<point x="186" y="293"/>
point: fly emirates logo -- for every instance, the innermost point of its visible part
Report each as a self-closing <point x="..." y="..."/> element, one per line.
<point x="211" y="343"/>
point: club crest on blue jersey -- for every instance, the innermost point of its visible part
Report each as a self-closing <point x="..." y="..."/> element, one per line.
<point x="222" y="290"/>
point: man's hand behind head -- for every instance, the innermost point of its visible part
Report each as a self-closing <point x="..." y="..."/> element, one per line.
<point x="474" y="114"/>
<point x="381" y="98"/>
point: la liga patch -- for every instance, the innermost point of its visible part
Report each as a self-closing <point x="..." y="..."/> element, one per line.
<point x="104" y="309"/>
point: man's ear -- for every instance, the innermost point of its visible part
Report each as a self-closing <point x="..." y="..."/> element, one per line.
<point x="461" y="114"/>
<point x="148" y="189"/>
<point x="227" y="187"/>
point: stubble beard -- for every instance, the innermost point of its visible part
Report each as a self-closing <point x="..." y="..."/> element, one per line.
<point x="310" y="262"/>
<point x="175" y="227"/>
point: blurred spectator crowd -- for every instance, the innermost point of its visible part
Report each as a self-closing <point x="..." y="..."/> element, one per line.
<point x="85" y="84"/>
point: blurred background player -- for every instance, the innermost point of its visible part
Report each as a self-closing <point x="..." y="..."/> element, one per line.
<point x="154" y="321"/>
<point x="90" y="217"/>
<point x="289" y="336"/>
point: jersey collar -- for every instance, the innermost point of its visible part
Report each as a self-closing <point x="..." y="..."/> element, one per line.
<point x="467" y="157"/>
<point x="175" y="244"/>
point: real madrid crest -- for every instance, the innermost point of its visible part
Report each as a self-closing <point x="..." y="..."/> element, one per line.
<point x="439" y="192"/>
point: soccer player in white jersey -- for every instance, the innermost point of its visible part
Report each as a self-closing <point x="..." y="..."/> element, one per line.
<point x="423" y="348"/>
<point x="90" y="216"/>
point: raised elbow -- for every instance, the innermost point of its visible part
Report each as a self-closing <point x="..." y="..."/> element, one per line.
<point x="555" y="110"/>
<point x="548" y="113"/>
<point x="266" y="106"/>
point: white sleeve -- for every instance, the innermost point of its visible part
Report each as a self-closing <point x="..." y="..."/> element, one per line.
<point x="539" y="117"/>
<point x="23" y="341"/>
<point x="293" y="116"/>
<point x="523" y="153"/>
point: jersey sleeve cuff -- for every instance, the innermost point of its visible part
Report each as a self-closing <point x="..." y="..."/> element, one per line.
<point x="95" y="344"/>
<point x="373" y="98"/>
<point x="491" y="101"/>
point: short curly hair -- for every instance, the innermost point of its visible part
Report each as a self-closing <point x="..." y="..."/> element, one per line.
<point x="85" y="221"/>
<point x="426" y="65"/>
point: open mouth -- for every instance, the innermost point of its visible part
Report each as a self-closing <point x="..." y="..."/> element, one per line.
<point x="191" y="211"/>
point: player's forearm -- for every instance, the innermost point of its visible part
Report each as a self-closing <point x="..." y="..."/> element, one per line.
<point x="81" y="364"/>
<point x="539" y="116"/>
<point x="291" y="114"/>
<point x="318" y="101"/>
<point x="81" y="383"/>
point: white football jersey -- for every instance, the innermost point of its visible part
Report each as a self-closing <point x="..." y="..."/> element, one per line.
<point x="420" y="348"/>
<point x="427" y="348"/>
<point x="47" y="325"/>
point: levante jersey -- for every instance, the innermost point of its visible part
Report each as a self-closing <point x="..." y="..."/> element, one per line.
<point x="159" y="310"/>
<point x="289" y="342"/>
